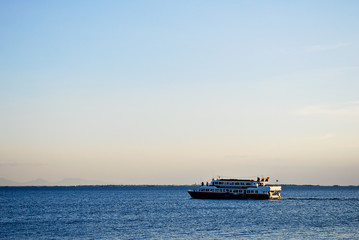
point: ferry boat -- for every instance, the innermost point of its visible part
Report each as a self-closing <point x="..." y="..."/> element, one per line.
<point x="227" y="188"/>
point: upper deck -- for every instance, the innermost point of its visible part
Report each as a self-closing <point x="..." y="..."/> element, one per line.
<point x="238" y="183"/>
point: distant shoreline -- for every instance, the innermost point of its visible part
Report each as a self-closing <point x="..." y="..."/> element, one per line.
<point x="159" y="185"/>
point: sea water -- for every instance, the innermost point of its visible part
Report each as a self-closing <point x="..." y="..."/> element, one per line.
<point x="168" y="212"/>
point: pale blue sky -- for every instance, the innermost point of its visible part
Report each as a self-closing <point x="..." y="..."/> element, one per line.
<point x="175" y="92"/>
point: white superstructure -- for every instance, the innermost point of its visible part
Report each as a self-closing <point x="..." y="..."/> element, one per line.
<point x="237" y="189"/>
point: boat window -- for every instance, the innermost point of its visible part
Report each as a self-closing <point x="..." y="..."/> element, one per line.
<point x="237" y="183"/>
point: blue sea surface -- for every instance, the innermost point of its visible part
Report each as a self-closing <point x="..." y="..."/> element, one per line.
<point x="168" y="212"/>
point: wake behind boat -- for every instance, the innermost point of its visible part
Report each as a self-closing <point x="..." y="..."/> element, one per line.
<point x="222" y="188"/>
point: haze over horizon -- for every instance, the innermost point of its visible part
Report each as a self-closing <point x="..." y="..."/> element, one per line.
<point x="177" y="92"/>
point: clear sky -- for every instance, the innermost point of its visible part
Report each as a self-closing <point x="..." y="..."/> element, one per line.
<point x="176" y="92"/>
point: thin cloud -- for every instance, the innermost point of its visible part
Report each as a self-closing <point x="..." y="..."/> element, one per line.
<point x="8" y="164"/>
<point x="326" y="136"/>
<point x="18" y="164"/>
<point x="326" y="47"/>
<point x="336" y="109"/>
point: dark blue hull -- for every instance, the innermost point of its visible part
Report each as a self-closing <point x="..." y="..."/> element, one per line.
<point x="206" y="195"/>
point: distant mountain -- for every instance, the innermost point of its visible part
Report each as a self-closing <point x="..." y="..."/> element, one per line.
<point x="42" y="182"/>
<point x="6" y="182"/>
<point x="77" y="181"/>
<point x="37" y="182"/>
